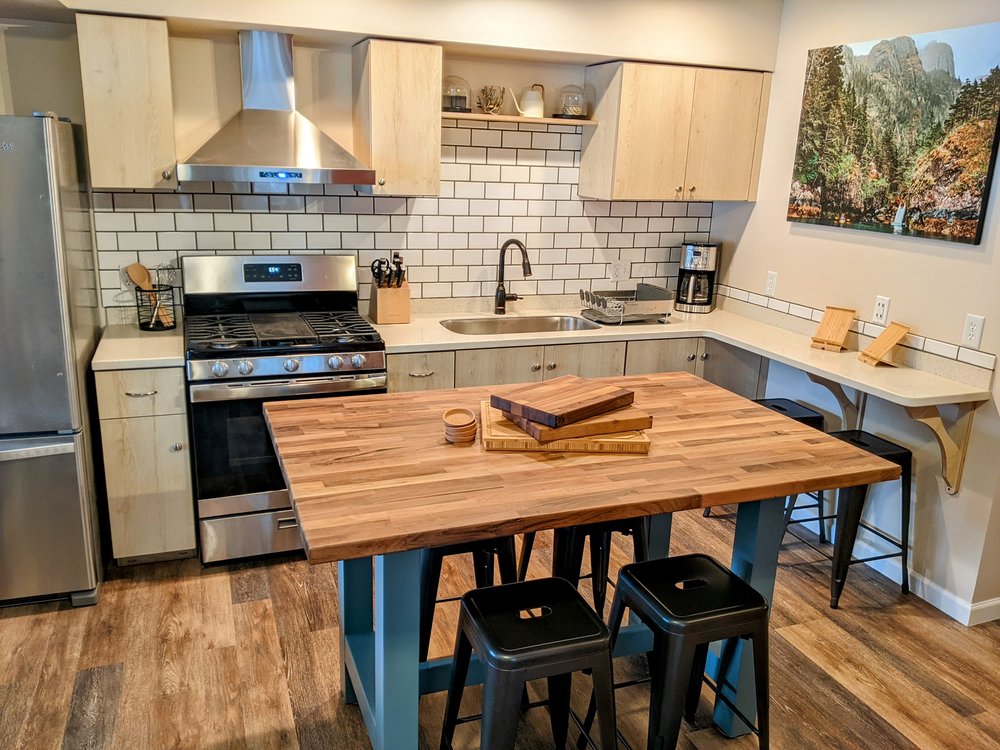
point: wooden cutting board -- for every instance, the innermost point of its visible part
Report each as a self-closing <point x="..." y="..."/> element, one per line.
<point x="562" y="401"/>
<point x="620" y="420"/>
<point x="500" y="434"/>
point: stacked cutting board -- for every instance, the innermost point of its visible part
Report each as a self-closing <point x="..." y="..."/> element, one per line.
<point x="568" y="414"/>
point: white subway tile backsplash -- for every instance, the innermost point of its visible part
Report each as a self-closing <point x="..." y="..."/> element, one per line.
<point x="486" y="138"/>
<point x="137" y="241"/>
<point x="114" y="222"/>
<point x="214" y="240"/>
<point x="266" y="222"/>
<point x="232" y="222"/>
<point x="154" y="222"/>
<point x="252" y="240"/>
<point x="977" y="358"/>
<point x="941" y="348"/>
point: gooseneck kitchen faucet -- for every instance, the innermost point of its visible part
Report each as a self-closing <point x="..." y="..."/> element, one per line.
<point x="501" y="297"/>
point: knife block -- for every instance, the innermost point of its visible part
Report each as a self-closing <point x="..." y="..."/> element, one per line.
<point x="390" y="304"/>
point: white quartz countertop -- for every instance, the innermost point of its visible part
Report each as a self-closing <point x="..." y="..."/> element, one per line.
<point x="901" y="385"/>
<point x="125" y="347"/>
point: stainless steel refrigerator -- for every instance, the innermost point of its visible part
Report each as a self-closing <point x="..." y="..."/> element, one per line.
<point x="49" y="324"/>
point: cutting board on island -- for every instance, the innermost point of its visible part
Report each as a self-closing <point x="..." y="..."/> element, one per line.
<point x="562" y="401"/>
<point x="620" y="420"/>
<point x="500" y="434"/>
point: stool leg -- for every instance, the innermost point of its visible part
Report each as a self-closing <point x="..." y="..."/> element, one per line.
<point x="456" y="686"/>
<point x="904" y="534"/>
<point x="527" y="542"/>
<point x="600" y="562"/>
<point x="501" y="708"/>
<point x="707" y="512"/>
<point x="507" y="559"/>
<point x="567" y="554"/>
<point x="482" y="565"/>
<point x="761" y="678"/>
<point x="670" y="673"/>
<point x="559" y="691"/>
<point x="604" y="696"/>
<point x="697" y="677"/>
<point x="615" y="618"/>
<point x="640" y="540"/>
<point x="430" y="577"/>
<point x="850" y="504"/>
<point x="820" y="507"/>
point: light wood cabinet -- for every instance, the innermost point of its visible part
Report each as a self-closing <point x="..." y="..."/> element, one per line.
<point x="532" y="364"/>
<point x="671" y="132"/>
<point x="125" y="67"/>
<point x="147" y="463"/>
<point x="735" y="369"/>
<point x="397" y="115"/>
<point x="422" y="371"/>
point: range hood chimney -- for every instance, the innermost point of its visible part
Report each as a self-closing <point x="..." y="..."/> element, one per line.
<point x="268" y="141"/>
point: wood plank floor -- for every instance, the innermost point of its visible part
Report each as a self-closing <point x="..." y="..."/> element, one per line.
<point x="177" y="655"/>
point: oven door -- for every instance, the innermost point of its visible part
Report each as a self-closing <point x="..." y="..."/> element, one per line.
<point x="235" y="469"/>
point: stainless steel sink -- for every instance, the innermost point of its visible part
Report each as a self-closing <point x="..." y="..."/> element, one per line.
<point x="533" y="324"/>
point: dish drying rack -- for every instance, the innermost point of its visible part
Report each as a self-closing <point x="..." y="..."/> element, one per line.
<point x="647" y="303"/>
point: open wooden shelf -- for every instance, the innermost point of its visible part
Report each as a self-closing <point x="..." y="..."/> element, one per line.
<point x="516" y="118"/>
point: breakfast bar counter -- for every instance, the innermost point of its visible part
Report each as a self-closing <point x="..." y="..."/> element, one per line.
<point x="372" y="477"/>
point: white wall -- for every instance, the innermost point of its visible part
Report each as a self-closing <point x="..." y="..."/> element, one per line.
<point x="932" y="285"/>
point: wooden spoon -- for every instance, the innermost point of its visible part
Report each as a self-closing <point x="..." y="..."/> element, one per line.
<point x="141" y="278"/>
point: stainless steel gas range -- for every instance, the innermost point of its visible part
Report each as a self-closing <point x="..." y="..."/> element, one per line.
<point x="257" y="329"/>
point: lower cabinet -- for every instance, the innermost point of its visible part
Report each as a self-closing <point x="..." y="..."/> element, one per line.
<point x="423" y="371"/>
<point x="735" y="369"/>
<point x="147" y="464"/>
<point x="527" y="364"/>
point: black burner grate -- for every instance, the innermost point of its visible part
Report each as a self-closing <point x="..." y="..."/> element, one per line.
<point x="341" y="327"/>
<point x="219" y="332"/>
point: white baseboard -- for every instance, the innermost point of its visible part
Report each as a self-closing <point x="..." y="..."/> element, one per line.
<point x="932" y="593"/>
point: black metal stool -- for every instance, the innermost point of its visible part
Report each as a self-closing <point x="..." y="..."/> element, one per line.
<point x="688" y="602"/>
<point x="525" y="631"/>
<point x="483" y="554"/>
<point x="810" y="418"/>
<point x="851" y="504"/>
<point x="567" y="552"/>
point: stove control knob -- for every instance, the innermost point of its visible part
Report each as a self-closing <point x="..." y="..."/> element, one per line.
<point x="244" y="368"/>
<point x="220" y="369"/>
<point x="291" y="365"/>
<point x="358" y="361"/>
<point x="335" y="363"/>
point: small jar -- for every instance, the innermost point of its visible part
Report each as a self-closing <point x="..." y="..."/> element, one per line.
<point x="571" y="104"/>
<point x="456" y="95"/>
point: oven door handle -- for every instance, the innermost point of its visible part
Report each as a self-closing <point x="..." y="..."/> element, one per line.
<point x="282" y="388"/>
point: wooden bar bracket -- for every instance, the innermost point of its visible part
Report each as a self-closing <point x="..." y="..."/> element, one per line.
<point x="850" y="412"/>
<point x="953" y="449"/>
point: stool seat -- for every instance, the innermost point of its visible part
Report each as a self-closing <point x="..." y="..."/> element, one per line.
<point x="687" y="593"/>
<point x="525" y="631"/>
<point x="793" y="410"/>
<point x="873" y="444"/>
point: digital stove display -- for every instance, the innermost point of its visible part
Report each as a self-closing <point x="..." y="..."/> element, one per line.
<point x="272" y="272"/>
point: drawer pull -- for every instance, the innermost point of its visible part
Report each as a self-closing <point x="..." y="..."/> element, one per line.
<point x="176" y="447"/>
<point x="550" y="366"/>
<point x="144" y="394"/>
<point x="691" y="358"/>
<point x="704" y="356"/>
<point x="536" y="367"/>
<point x="420" y="374"/>
<point x="288" y="523"/>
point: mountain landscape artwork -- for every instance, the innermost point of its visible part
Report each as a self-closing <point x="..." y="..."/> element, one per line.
<point x="900" y="135"/>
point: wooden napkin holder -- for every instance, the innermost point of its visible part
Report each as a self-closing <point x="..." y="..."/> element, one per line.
<point x="879" y="352"/>
<point x="390" y="304"/>
<point x="833" y="329"/>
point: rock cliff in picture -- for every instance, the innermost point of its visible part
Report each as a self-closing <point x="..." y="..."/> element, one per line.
<point x="900" y="135"/>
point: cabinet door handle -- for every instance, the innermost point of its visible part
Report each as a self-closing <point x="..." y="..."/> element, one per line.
<point x="176" y="447"/>
<point x="679" y="188"/>
<point x="144" y="394"/>
<point x="166" y="174"/>
<point x="536" y="367"/>
<point x="704" y="356"/>
<point x="420" y="374"/>
<point x="691" y="357"/>
<point x="691" y="188"/>
<point x="287" y="523"/>
<point x="550" y="366"/>
<point x="381" y="181"/>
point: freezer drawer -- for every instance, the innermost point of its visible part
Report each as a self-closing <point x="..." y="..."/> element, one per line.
<point x="249" y="535"/>
<point x="46" y="540"/>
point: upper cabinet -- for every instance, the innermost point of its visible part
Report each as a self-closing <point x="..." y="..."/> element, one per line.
<point x="397" y="115"/>
<point x="125" y="66"/>
<point x="670" y="132"/>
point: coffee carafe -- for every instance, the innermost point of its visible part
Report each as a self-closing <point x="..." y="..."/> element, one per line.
<point x="696" y="279"/>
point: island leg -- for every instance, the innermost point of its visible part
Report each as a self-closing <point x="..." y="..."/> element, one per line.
<point x="354" y="594"/>
<point x="759" y="529"/>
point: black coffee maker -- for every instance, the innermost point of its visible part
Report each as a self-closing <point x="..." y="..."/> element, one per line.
<point x="696" y="280"/>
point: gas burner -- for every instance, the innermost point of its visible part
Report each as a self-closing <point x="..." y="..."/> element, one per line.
<point x="341" y="327"/>
<point x="218" y="332"/>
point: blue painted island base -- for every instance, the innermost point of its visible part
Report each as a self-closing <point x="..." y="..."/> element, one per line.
<point x="380" y="667"/>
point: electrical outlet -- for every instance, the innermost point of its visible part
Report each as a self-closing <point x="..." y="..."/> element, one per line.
<point x="124" y="282"/>
<point x="772" y="283"/>
<point x="972" y="334"/>
<point x="881" y="314"/>
<point x="620" y="270"/>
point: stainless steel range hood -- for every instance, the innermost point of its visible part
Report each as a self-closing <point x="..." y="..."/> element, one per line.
<point x="268" y="141"/>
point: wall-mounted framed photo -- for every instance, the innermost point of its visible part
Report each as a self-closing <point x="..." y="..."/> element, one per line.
<point x="900" y="135"/>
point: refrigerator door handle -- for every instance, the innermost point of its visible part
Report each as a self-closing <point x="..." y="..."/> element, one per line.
<point x="20" y="453"/>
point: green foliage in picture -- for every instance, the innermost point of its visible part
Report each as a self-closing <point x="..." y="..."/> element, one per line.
<point x="900" y="135"/>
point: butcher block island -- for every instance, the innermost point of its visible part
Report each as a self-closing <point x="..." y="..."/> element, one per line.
<point x="374" y="482"/>
<point x="374" y="474"/>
